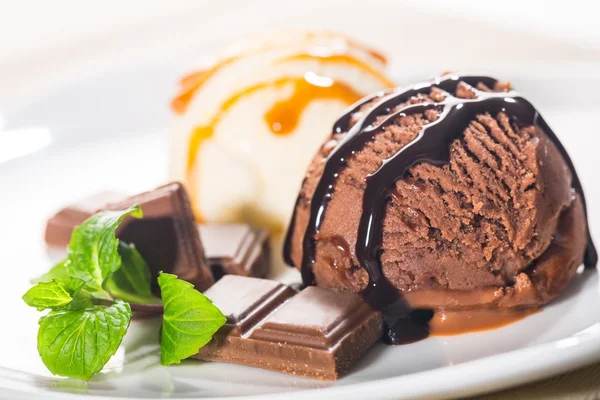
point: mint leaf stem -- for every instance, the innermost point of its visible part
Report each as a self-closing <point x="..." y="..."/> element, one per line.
<point x="92" y="294"/>
<point x="135" y="307"/>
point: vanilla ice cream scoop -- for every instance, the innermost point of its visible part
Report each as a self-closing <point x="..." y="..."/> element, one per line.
<point x="246" y="126"/>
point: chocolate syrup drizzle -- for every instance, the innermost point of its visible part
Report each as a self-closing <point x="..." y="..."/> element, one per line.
<point x="432" y="146"/>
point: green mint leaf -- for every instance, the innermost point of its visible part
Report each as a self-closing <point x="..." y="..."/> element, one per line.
<point x="93" y="250"/>
<point x="80" y="292"/>
<point x="59" y="295"/>
<point x="58" y="271"/>
<point x="48" y="295"/>
<point x="189" y="322"/>
<point x="82" y="298"/>
<point x="77" y="344"/>
<point x="131" y="282"/>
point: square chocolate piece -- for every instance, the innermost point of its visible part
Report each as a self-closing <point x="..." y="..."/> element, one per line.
<point x="318" y="333"/>
<point x="236" y="249"/>
<point x="167" y="237"/>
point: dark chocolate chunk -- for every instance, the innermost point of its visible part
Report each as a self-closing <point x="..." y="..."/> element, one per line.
<point x="318" y="333"/>
<point x="167" y="237"/>
<point x="61" y="224"/>
<point x="236" y="249"/>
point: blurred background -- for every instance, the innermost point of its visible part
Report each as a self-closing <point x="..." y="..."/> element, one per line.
<point x="45" y="43"/>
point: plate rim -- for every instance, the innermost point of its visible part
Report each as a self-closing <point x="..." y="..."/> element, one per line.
<point x="556" y="357"/>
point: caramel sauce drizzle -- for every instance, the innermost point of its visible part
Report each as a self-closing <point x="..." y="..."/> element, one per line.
<point x="457" y="322"/>
<point x="192" y="82"/>
<point x="285" y="114"/>
<point x="283" y="117"/>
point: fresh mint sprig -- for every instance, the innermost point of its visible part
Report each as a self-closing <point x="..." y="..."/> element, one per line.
<point x="88" y="295"/>
<point x="85" y="325"/>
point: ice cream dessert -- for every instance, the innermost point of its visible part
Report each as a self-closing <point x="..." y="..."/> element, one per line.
<point x="452" y="196"/>
<point x="254" y="117"/>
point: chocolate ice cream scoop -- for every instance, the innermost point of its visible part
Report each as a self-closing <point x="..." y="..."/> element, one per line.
<point x="452" y="194"/>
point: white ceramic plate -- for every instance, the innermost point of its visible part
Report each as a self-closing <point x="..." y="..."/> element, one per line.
<point x="110" y="132"/>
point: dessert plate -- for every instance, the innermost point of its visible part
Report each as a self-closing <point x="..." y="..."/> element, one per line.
<point x="111" y="133"/>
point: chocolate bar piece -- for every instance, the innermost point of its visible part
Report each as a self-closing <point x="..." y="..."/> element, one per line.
<point x="167" y="236"/>
<point x="236" y="249"/>
<point x="61" y="224"/>
<point x="318" y="333"/>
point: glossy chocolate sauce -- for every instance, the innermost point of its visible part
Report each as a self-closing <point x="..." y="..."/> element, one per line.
<point x="405" y="324"/>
